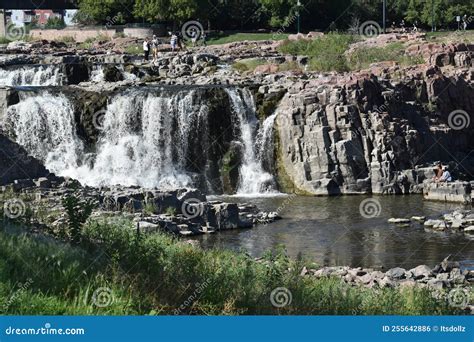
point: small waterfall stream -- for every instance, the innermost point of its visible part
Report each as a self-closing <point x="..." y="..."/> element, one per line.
<point x="36" y="75"/>
<point x="253" y="178"/>
<point x="44" y="125"/>
<point x="147" y="138"/>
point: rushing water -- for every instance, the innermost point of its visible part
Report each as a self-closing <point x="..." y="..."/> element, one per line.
<point x="253" y="179"/>
<point x="147" y="138"/>
<point x="31" y="75"/>
<point x="331" y="231"/>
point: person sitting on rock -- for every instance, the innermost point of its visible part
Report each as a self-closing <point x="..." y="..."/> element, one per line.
<point x="446" y="176"/>
<point x="438" y="172"/>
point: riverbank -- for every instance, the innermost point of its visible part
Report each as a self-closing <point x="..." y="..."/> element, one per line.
<point x="115" y="271"/>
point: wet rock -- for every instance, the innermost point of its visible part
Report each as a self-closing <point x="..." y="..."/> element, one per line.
<point x="469" y="230"/>
<point x="112" y="74"/>
<point x="398" y="220"/>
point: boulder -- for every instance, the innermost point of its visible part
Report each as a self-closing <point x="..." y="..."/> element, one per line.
<point x="421" y="271"/>
<point x="396" y="273"/>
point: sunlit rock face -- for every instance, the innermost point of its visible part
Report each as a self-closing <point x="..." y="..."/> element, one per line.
<point x="368" y="135"/>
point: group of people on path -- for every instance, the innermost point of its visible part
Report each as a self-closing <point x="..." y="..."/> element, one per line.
<point x="176" y="42"/>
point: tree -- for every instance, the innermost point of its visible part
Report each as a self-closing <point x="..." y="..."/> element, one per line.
<point x="111" y="12"/>
<point x="152" y="10"/>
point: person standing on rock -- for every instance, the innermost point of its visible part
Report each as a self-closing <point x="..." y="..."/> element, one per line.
<point x="154" y="45"/>
<point x="146" y="49"/>
<point x="179" y="41"/>
<point x="173" y="41"/>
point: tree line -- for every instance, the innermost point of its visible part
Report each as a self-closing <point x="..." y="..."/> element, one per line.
<point x="275" y="14"/>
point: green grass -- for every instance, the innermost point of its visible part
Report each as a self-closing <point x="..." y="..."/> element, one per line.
<point x="451" y="36"/>
<point x="248" y="64"/>
<point x="238" y="37"/>
<point x="363" y="57"/>
<point x="157" y="274"/>
<point x="134" y="50"/>
<point x="326" y="53"/>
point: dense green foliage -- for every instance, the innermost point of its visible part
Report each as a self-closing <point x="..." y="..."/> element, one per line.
<point x="276" y="14"/>
<point x="77" y="214"/>
<point x="156" y="274"/>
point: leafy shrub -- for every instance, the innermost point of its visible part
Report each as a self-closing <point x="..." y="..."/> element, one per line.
<point x="78" y="211"/>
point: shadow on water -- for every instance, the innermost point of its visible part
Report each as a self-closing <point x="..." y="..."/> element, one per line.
<point x="332" y="231"/>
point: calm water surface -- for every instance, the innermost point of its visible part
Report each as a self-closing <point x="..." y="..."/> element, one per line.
<point x="331" y="231"/>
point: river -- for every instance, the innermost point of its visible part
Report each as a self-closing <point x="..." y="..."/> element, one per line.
<point x="331" y="231"/>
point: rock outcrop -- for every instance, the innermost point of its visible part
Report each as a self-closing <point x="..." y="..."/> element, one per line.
<point x="16" y="164"/>
<point x="374" y="134"/>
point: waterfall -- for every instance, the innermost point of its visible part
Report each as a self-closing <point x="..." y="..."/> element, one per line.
<point x="253" y="178"/>
<point x="264" y="143"/>
<point x="148" y="137"/>
<point x="144" y="141"/>
<point x="97" y="73"/>
<point x="35" y="75"/>
<point x="44" y="125"/>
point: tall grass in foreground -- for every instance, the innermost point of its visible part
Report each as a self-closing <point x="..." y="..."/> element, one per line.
<point x="156" y="274"/>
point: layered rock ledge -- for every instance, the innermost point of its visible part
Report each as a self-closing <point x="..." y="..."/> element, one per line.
<point x="459" y="192"/>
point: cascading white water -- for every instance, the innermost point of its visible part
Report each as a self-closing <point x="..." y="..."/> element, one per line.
<point x="44" y="125"/>
<point x="264" y="142"/>
<point x="139" y="145"/>
<point x="148" y="138"/>
<point x="34" y="75"/>
<point x="253" y="178"/>
<point x="97" y="73"/>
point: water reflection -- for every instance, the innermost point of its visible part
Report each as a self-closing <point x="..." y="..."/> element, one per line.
<point x="331" y="231"/>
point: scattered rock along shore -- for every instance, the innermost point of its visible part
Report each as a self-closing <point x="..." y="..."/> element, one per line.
<point x="445" y="276"/>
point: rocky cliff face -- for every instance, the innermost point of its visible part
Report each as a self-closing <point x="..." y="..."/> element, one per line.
<point x="367" y="134"/>
<point x="16" y="164"/>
